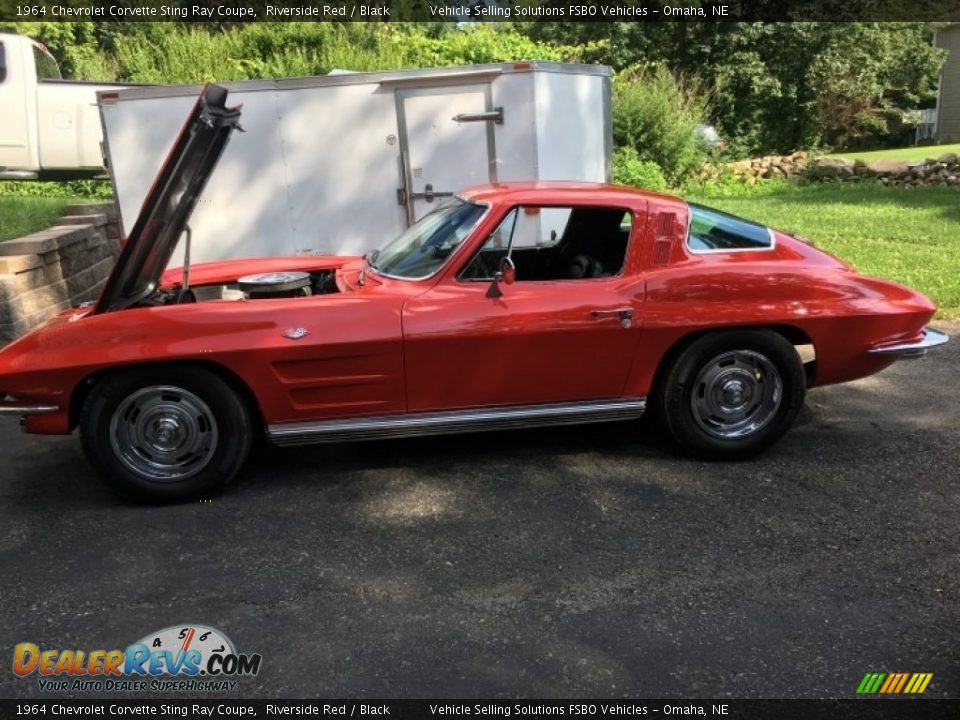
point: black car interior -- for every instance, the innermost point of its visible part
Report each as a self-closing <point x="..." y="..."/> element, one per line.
<point x="593" y="245"/>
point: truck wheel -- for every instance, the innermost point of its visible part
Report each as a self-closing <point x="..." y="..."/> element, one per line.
<point x="165" y="434"/>
<point x="731" y="394"/>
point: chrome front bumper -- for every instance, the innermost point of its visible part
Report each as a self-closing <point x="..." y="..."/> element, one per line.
<point x="909" y="351"/>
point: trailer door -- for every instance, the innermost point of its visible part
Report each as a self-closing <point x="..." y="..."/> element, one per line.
<point x="446" y="143"/>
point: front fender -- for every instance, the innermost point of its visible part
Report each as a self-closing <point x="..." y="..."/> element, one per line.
<point x="349" y="361"/>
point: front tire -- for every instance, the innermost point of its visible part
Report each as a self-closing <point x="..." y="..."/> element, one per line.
<point x="731" y="394"/>
<point x="165" y="434"/>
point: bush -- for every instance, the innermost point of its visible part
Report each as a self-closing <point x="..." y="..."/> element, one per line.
<point x="656" y="114"/>
<point x="629" y="169"/>
<point x="727" y="184"/>
<point x="169" y="53"/>
<point x="82" y="189"/>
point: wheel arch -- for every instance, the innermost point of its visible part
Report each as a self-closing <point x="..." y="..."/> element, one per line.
<point x="794" y="335"/>
<point x="83" y="389"/>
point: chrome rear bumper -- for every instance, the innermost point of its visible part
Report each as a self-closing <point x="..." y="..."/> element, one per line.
<point x="20" y="408"/>
<point x="909" y="351"/>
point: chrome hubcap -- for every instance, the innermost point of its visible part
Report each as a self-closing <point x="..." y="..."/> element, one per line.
<point x="736" y="394"/>
<point x="164" y="433"/>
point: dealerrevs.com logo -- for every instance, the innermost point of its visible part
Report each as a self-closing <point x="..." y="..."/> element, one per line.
<point x="182" y="658"/>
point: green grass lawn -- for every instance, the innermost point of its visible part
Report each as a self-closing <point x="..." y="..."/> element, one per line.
<point x="906" y="154"/>
<point x="24" y="215"/>
<point x="908" y="235"/>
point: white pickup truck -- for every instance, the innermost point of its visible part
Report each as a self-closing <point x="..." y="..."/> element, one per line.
<point x="49" y="127"/>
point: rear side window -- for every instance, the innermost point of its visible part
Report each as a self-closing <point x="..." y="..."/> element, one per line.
<point x="3" y="63"/>
<point x="715" y="231"/>
<point x="46" y="66"/>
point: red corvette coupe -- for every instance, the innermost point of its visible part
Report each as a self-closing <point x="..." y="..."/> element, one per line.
<point x="509" y="305"/>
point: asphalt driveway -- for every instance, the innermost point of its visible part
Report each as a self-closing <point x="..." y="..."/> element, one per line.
<point x="585" y="561"/>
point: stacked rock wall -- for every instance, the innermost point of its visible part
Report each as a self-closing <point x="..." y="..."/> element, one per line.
<point x="47" y="272"/>
<point x="943" y="171"/>
<point x="772" y="166"/>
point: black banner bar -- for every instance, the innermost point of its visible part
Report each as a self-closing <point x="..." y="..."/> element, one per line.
<point x="479" y="10"/>
<point x="886" y="709"/>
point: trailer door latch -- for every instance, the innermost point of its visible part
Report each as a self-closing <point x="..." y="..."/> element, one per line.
<point x="429" y="194"/>
<point x="496" y="115"/>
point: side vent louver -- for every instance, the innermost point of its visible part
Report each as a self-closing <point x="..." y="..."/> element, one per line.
<point x="663" y="237"/>
<point x="661" y="252"/>
<point x="665" y="221"/>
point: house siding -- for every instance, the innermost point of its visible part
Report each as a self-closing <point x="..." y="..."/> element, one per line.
<point x="948" y="104"/>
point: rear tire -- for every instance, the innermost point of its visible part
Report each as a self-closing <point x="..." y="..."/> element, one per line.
<point x="731" y="394"/>
<point x="166" y="433"/>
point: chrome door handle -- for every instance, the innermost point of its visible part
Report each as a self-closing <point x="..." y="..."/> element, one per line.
<point x="625" y="315"/>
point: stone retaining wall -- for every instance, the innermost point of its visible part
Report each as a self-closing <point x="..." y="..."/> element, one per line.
<point x="55" y="269"/>
<point x="772" y="166"/>
<point x="941" y="171"/>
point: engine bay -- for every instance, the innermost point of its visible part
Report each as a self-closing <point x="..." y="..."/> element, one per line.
<point x="261" y="286"/>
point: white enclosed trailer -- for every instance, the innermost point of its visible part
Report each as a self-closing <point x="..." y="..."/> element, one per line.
<point x="342" y="163"/>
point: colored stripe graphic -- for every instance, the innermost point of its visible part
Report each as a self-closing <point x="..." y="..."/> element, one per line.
<point x="870" y="683"/>
<point x="918" y="683"/>
<point x="894" y="683"/>
<point x="903" y="679"/>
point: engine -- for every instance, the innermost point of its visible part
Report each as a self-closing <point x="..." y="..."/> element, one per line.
<point x="276" y="285"/>
<point x="263" y="286"/>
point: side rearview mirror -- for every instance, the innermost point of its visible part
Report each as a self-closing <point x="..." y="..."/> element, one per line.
<point x="506" y="274"/>
<point x="508" y="271"/>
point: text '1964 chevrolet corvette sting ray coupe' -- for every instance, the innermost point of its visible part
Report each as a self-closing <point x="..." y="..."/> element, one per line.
<point x="509" y="305"/>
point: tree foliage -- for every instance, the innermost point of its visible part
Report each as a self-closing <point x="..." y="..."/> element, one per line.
<point x="170" y="52"/>
<point x="777" y="87"/>
<point x="655" y="115"/>
<point x="773" y="87"/>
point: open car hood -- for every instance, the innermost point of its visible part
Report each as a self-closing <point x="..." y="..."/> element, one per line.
<point x="171" y="200"/>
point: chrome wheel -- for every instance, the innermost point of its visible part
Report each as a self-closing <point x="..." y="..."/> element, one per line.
<point x="736" y="394"/>
<point x="163" y="433"/>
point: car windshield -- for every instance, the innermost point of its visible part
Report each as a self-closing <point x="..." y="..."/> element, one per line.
<point x="425" y="246"/>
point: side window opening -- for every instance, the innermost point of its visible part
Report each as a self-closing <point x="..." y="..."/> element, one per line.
<point x="555" y="243"/>
<point x="46" y="66"/>
<point x="3" y="63"/>
<point x="715" y="231"/>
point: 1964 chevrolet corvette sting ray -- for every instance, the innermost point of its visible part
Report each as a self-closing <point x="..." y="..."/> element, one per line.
<point x="509" y="305"/>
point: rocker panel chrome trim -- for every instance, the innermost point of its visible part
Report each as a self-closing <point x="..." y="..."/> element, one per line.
<point x="475" y="420"/>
